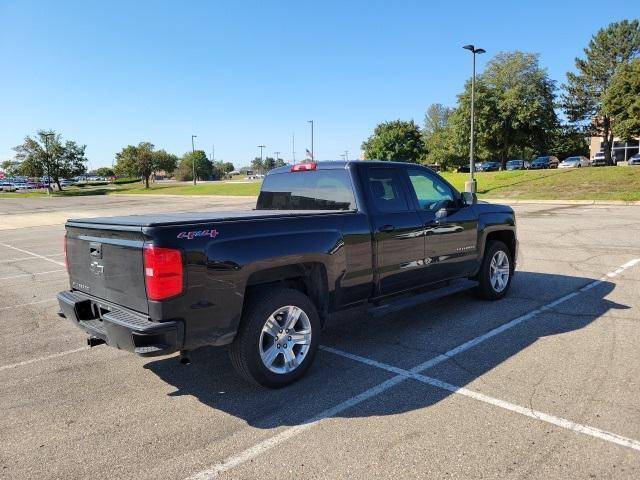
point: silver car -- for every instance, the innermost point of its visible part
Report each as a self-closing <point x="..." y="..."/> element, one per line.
<point x="574" y="162"/>
<point x="634" y="160"/>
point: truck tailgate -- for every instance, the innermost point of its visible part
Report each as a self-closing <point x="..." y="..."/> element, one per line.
<point x="108" y="264"/>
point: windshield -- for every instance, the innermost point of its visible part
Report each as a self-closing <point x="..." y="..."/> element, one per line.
<point x="311" y="190"/>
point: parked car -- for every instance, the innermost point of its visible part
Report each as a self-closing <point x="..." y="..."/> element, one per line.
<point x="634" y="159"/>
<point x="598" y="160"/>
<point x="518" y="165"/>
<point x="544" y="162"/>
<point x="7" y="187"/>
<point x="22" y="186"/>
<point x="574" y="162"/>
<point x="264" y="281"/>
<point x="465" y="168"/>
<point x="489" y="167"/>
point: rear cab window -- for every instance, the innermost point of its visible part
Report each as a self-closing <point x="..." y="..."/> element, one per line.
<point x="321" y="189"/>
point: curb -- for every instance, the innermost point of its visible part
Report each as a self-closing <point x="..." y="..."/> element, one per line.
<point x="560" y="201"/>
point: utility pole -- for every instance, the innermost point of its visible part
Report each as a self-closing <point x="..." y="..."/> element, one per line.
<point x="313" y="156"/>
<point x="193" y="158"/>
<point x="346" y="155"/>
<point x="293" y="147"/>
<point x="213" y="153"/>
<point x="48" y="161"/>
<point x="277" y="154"/>
<point x="470" y="185"/>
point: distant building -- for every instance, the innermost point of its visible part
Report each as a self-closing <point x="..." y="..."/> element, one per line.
<point x="621" y="150"/>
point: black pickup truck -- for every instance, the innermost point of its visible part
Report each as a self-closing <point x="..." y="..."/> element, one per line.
<point x="323" y="237"/>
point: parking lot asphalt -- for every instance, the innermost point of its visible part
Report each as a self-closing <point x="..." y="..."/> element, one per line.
<point x="543" y="384"/>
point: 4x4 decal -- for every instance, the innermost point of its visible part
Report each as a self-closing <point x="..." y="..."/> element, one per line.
<point x="213" y="233"/>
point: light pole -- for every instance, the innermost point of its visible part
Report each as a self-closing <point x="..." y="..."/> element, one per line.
<point x="313" y="157"/>
<point x="193" y="158"/>
<point x="277" y="154"/>
<point x="470" y="185"/>
<point x="48" y="161"/>
<point x="261" y="147"/>
<point x="346" y="155"/>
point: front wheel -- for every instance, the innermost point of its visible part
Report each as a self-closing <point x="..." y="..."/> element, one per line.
<point x="278" y="338"/>
<point x="495" y="272"/>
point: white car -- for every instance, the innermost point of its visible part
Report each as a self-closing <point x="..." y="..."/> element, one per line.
<point x="7" y="187"/>
<point x="21" y="186"/>
<point x="574" y="162"/>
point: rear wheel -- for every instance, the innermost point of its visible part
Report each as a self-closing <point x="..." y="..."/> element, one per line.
<point x="278" y="338"/>
<point x="496" y="271"/>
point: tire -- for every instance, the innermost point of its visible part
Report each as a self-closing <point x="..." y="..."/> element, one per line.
<point x="490" y="287"/>
<point x="262" y="352"/>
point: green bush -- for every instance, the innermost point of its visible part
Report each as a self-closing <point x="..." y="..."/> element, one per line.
<point x="123" y="181"/>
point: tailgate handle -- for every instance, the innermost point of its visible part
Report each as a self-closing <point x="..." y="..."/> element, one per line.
<point x="95" y="249"/>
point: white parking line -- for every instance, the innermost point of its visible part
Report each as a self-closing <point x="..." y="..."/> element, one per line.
<point x="36" y="255"/>
<point x="529" y="412"/>
<point x="28" y="303"/>
<point x="265" y="445"/>
<point x="42" y="359"/>
<point x="22" y="259"/>
<point x="31" y="274"/>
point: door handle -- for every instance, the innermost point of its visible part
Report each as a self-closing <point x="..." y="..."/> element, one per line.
<point x="386" y="228"/>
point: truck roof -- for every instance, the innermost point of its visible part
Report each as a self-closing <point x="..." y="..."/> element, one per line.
<point x="335" y="164"/>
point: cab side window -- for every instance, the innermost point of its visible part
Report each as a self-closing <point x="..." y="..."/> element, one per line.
<point x="431" y="192"/>
<point x="385" y="188"/>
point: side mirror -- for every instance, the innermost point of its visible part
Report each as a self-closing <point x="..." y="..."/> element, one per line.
<point x="469" y="198"/>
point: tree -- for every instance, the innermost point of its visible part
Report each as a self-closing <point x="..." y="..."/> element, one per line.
<point x="568" y="141"/>
<point x="142" y="161"/>
<point x="11" y="167"/>
<point x="204" y="167"/>
<point x="514" y="104"/>
<point x="268" y="164"/>
<point x="437" y="135"/>
<point x="257" y="165"/>
<point x="622" y="101"/>
<point x="105" y="172"/>
<point x="165" y="161"/>
<point x="608" y="50"/>
<point x="226" y="167"/>
<point x="60" y="160"/>
<point x="397" y="140"/>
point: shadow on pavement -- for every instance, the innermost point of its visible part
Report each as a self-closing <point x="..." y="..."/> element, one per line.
<point x="212" y="380"/>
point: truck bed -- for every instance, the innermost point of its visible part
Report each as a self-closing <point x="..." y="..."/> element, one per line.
<point x="169" y="219"/>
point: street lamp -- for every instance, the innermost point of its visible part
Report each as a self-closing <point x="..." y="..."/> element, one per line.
<point x="313" y="157"/>
<point x="261" y="147"/>
<point x="277" y="154"/>
<point x="470" y="185"/>
<point x="48" y="161"/>
<point x="193" y="158"/>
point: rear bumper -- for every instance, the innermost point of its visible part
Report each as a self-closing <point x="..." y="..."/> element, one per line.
<point x="121" y="328"/>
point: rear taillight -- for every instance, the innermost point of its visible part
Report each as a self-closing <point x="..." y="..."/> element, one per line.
<point x="66" y="257"/>
<point x="163" y="272"/>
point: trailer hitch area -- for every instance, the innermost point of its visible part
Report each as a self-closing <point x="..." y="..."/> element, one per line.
<point x="94" y="341"/>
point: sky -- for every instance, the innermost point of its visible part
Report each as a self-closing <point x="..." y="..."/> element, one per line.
<point x="239" y="74"/>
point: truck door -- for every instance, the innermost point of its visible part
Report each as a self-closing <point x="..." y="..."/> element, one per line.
<point x="397" y="230"/>
<point x="450" y="227"/>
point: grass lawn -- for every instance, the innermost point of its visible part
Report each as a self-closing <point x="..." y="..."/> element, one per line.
<point x="602" y="183"/>
<point x="218" y="188"/>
